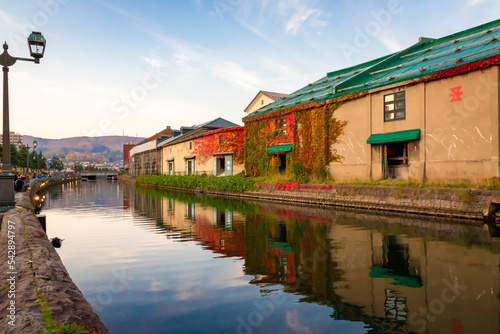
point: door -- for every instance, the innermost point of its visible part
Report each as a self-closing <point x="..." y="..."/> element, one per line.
<point x="229" y="165"/>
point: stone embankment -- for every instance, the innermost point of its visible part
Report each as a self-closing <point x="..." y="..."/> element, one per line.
<point x="36" y="291"/>
<point x="441" y="202"/>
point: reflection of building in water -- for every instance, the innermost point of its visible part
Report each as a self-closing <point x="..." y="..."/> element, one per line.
<point x="184" y="219"/>
<point x="391" y="282"/>
<point x="399" y="278"/>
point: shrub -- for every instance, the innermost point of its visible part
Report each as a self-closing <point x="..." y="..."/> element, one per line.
<point x="226" y="183"/>
<point x="321" y="173"/>
<point x="492" y="183"/>
<point x="300" y="174"/>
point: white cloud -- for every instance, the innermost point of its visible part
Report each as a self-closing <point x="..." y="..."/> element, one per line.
<point x="297" y="20"/>
<point x="237" y="75"/>
<point x="472" y="3"/>
<point x="254" y="30"/>
<point x="390" y="43"/>
<point x="298" y="14"/>
<point x="182" y="58"/>
<point x="156" y="63"/>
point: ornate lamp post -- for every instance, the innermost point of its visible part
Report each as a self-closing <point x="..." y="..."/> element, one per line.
<point x="36" y="43"/>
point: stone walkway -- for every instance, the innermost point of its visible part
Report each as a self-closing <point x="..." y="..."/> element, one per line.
<point x="37" y="277"/>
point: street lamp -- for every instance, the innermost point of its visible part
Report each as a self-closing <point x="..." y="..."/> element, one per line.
<point x="35" y="144"/>
<point x="36" y="44"/>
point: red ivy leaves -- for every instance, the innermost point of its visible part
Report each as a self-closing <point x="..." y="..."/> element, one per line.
<point x="463" y="69"/>
<point x="233" y="140"/>
<point x="295" y="186"/>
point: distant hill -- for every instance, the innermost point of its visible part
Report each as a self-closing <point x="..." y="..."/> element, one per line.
<point x="92" y="149"/>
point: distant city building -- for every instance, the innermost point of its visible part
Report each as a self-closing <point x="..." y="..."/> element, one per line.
<point x="15" y="139"/>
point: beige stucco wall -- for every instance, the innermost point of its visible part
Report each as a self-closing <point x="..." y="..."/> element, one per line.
<point x="260" y="101"/>
<point x="352" y="146"/>
<point x="459" y="140"/>
<point x="462" y="137"/>
<point x="179" y="151"/>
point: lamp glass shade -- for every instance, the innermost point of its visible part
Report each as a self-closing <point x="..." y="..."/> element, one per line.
<point x="36" y="43"/>
<point x="35" y="143"/>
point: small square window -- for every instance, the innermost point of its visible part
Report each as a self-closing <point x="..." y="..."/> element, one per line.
<point x="394" y="106"/>
<point x="221" y="139"/>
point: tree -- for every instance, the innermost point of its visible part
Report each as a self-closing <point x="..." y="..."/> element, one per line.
<point x="21" y="157"/>
<point x="56" y="163"/>
<point x="77" y="167"/>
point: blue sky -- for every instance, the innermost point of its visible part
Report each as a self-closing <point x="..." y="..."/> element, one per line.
<point x="133" y="67"/>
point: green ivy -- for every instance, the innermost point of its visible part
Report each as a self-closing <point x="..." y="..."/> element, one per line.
<point x="226" y="183"/>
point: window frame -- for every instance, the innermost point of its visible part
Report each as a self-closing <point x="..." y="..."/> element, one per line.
<point x="395" y="99"/>
<point x="280" y="127"/>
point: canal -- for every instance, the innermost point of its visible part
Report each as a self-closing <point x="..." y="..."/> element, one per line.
<point x="151" y="261"/>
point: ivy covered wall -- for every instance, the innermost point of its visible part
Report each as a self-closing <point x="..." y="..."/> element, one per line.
<point x="218" y="141"/>
<point x="311" y="128"/>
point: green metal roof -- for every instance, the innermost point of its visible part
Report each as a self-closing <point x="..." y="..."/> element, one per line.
<point x="279" y="148"/>
<point x="424" y="58"/>
<point x="390" y="137"/>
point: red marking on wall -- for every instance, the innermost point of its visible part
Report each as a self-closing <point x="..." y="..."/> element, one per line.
<point x="458" y="328"/>
<point x="455" y="94"/>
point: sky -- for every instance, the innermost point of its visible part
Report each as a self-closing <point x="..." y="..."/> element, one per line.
<point x="129" y="67"/>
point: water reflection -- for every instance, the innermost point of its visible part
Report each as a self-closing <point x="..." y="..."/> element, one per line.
<point x="233" y="266"/>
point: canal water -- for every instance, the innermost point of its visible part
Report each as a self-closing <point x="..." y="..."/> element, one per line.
<point x="151" y="261"/>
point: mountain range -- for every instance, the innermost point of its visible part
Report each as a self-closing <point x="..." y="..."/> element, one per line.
<point x="91" y="149"/>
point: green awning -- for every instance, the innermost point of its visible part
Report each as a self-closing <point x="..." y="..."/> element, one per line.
<point x="390" y="137"/>
<point x="284" y="247"/>
<point x="397" y="279"/>
<point x="279" y="148"/>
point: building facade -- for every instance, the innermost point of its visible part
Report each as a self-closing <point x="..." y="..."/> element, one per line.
<point x="144" y="157"/>
<point x="427" y="113"/>
<point x="179" y="155"/>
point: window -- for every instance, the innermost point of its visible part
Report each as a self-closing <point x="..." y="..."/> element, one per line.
<point x="281" y="127"/>
<point x="221" y="140"/>
<point x="190" y="145"/>
<point x="394" y="106"/>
